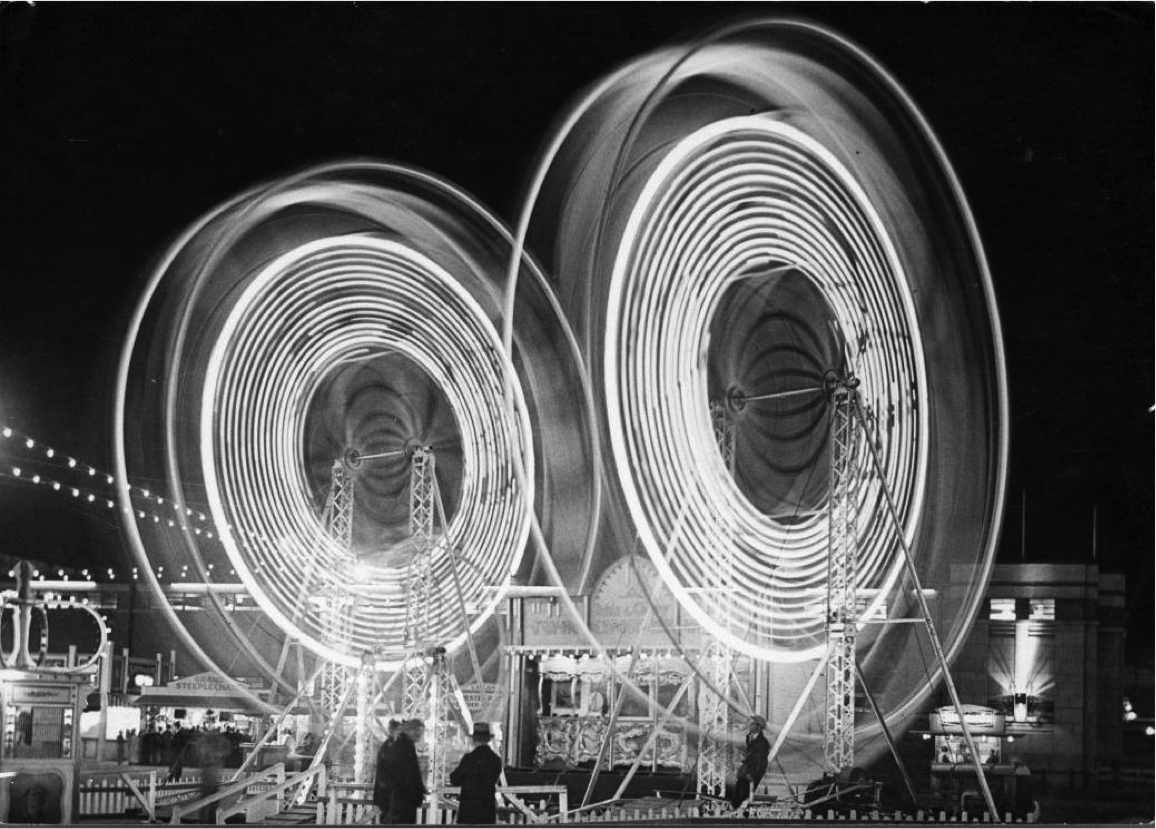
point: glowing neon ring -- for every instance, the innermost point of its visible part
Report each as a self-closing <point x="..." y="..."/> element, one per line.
<point x="351" y="307"/>
<point x="737" y="218"/>
<point x="313" y="307"/>
<point x="738" y="180"/>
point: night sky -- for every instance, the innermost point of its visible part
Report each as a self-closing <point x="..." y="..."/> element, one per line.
<point x="121" y="124"/>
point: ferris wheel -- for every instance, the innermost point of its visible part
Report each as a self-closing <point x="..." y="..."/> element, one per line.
<point x="786" y="312"/>
<point x="773" y="363"/>
<point x="347" y="319"/>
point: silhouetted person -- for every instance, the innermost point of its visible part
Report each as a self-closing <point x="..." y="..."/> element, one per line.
<point x="478" y="774"/>
<point x="383" y="773"/>
<point x="756" y="756"/>
<point x="408" y="790"/>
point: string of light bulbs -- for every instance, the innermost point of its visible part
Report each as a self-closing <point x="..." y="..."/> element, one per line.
<point x="173" y="515"/>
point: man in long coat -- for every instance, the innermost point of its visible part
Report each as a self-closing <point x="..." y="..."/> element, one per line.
<point x="383" y="774"/>
<point x="478" y="774"/>
<point x="756" y="756"/>
<point x="408" y="787"/>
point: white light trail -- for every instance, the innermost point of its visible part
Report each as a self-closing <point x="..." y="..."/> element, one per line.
<point x="739" y="193"/>
<point x="314" y="307"/>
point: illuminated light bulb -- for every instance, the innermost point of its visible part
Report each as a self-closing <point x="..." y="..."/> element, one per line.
<point x="7" y="432"/>
<point x="71" y="463"/>
<point x="50" y="452"/>
<point x="171" y="523"/>
<point x="91" y="471"/>
<point x="140" y="513"/>
<point x="145" y="493"/>
<point x="16" y="471"/>
<point x="56" y="485"/>
<point x="30" y="443"/>
<point x="110" y="479"/>
<point x="188" y="511"/>
<point x="35" y="479"/>
<point x="91" y="497"/>
<point x="111" y="504"/>
<point x="75" y="492"/>
<point x="156" y="519"/>
<point x="160" y="499"/>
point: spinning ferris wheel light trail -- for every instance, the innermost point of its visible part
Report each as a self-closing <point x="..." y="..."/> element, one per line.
<point x="756" y="209"/>
<point x="757" y="212"/>
<point x="352" y="337"/>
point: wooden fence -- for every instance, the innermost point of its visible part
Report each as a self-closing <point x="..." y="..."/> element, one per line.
<point x="104" y="794"/>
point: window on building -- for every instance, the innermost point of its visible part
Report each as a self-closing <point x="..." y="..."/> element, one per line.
<point x="1042" y="610"/>
<point x="1003" y="610"/>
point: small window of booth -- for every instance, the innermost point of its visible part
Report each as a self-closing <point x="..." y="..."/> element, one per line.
<point x="40" y="714"/>
<point x="577" y="693"/>
<point x="953" y="773"/>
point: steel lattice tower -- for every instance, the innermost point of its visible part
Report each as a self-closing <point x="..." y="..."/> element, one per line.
<point x="338" y="520"/>
<point x="363" y="739"/>
<point x="713" y="760"/>
<point x="842" y="601"/>
<point x="443" y="696"/>
<point x="421" y="517"/>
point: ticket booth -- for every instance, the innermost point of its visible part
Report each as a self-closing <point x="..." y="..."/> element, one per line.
<point x="953" y="771"/>
<point x="39" y="714"/>
<point x="38" y="750"/>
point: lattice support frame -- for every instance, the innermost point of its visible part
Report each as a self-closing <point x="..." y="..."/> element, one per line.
<point x="444" y="733"/>
<point x="421" y="516"/>
<point x="363" y="744"/>
<point x="842" y="598"/>
<point x="713" y="722"/>
<point x="337" y="621"/>
<point x="713" y="761"/>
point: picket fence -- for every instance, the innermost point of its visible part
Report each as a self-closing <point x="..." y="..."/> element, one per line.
<point x="105" y="794"/>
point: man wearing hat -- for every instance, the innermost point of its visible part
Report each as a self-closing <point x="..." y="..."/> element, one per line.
<point x="478" y="774"/>
<point x="756" y="755"/>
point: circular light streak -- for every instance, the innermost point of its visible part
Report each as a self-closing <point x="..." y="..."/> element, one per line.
<point x="733" y="221"/>
<point x="323" y="304"/>
<point x="348" y="312"/>
<point x="752" y="200"/>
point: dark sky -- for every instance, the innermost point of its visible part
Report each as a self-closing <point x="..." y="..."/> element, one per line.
<point x="120" y="124"/>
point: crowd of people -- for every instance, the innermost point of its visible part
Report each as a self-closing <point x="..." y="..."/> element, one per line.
<point x="398" y="787"/>
<point x="170" y="746"/>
